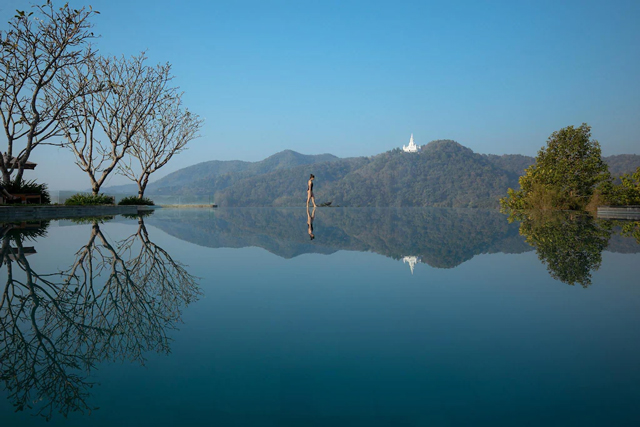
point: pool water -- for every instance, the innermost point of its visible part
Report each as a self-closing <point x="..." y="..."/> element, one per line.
<point x="283" y="317"/>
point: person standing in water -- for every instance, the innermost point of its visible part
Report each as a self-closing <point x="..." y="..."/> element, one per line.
<point x="310" y="191"/>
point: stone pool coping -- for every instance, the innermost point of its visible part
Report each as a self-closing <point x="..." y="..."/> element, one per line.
<point x="189" y="206"/>
<point x="26" y="212"/>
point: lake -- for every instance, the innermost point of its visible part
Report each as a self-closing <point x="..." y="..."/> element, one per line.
<point x="355" y="317"/>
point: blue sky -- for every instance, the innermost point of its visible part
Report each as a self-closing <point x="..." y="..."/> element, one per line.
<point x="356" y="78"/>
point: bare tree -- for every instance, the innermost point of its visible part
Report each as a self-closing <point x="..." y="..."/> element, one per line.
<point x="165" y="135"/>
<point x="102" y="122"/>
<point x="33" y="52"/>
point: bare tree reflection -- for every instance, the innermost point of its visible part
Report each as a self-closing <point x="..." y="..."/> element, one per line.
<point x="115" y="302"/>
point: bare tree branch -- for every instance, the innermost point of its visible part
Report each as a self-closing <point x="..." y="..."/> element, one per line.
<point x="33" y="52"/>
<point x="102" y="123"/>
<point x="166" y="135"/>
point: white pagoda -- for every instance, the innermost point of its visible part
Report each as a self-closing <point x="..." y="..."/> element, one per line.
<point x="412" y="147"/>
<point x="412" y="261"/>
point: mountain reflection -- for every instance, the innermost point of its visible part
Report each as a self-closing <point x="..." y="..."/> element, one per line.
<point x="442" y="238"/>
<point x="116" y="301"/>
<point x="569" y="244"/>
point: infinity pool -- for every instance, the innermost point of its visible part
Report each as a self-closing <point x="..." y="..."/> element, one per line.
<point x="355" y="317"/>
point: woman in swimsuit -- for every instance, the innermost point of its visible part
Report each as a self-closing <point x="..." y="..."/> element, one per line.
<point x="310" y="191"/>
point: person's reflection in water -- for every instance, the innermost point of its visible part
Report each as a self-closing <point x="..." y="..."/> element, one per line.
<point x="310" y="217"/>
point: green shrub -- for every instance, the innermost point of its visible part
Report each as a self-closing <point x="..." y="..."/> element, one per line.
<point x="29" y="187"/>
<point x="625" y="193"/>
<point x="89" y="199"/>
<point x="515" y="200"/>
<point x="134" y="200"/>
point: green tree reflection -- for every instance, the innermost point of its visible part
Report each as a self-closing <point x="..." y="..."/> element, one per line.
<point x="631" y="229"/>
<point x="569" y="244"/>
<point x="115" y="302"/>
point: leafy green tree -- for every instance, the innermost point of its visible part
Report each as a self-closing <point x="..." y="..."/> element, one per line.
<point x="625" y="193"/>
<point x="565" y="173"/>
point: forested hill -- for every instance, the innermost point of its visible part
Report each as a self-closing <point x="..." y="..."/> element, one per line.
<point x="515" y="164"/>
<point x="622" y="163"/>
<point x="443" y="173"/>
<point x="209" y="177"/>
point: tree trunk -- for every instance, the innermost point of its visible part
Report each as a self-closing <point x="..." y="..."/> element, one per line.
<point x="6" y="177"/>
<point x="142" y="185"/>
<point x="19" y="174"/>
<point x="27" y="150"/>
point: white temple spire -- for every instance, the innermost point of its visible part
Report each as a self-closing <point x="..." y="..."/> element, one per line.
<point x="412" y="147"/>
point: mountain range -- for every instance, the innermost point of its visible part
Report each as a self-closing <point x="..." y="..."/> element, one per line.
<point x="443" y="173"/>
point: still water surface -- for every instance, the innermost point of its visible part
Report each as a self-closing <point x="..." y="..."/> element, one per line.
<point x="390" y="317"/>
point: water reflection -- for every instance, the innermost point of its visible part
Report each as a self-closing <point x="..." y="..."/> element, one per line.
<point x="569" y="244"/>
<point x="630" y="229"/>
<point x="442" y="238"/>
<point x="310" y="217"/>
<point x="116" y="301"/>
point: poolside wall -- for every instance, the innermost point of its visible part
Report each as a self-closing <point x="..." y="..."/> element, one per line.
<point x="24" y="213"/>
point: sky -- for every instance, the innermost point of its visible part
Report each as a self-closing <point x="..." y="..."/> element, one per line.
<point x="357" y="78"/>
